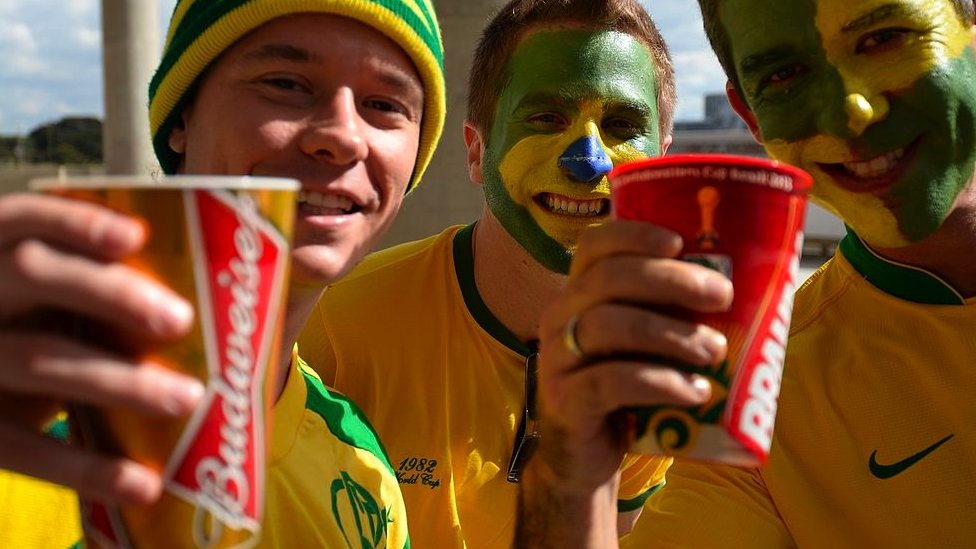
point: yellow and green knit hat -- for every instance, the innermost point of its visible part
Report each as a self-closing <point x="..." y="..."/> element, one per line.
<point x="201" y="30"/>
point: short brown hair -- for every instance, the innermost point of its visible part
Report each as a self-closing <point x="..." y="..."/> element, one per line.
<point x="499" y="39"/>
<point x="719" y="39"/>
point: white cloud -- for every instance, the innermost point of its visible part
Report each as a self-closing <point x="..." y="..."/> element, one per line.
<point x="16" y="37"/>
<point x="696" y="69"/>
<point x="88" y="38"/>
<point x="699" y="68"/>
<point x="24" y="66"/>
<point x="80" y="8"/>
<point x="21" y="52"/>
<point x="12" y="7"/>
<point x="32" y="105"/>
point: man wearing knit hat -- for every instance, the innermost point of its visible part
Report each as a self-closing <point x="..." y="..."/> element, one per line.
<point x="346" y="96"/>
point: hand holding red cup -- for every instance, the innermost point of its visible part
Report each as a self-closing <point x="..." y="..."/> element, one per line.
<point x="742" y="216"/>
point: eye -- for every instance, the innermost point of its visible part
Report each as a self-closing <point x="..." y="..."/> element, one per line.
<point x="784" y="75"/>
<point x="882" y="40"/>
<point x="623" y="127"/>
<point x="384" y="105"/>
<point x="286" y="83"/>
<point x="547" y="121"/>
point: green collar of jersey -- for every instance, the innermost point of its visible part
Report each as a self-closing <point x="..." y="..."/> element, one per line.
<point x="897" y="279"/>
<point x="464" y="270"/>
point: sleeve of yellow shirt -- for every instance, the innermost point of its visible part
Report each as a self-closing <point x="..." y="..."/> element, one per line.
<point x="640" y="476"/>
<point x="709" y="505"/>
<point x="35" y="513"/>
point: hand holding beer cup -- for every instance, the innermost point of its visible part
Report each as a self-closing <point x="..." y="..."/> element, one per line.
<point x="222" y="243"/>
<point x="64" y="254"/>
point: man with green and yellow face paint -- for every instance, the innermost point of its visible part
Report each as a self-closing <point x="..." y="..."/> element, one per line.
<point x="576" y="103"/>
<point x="874" y="443"/>
<point x="560" y="92"/>
<point x="882" y="113"/>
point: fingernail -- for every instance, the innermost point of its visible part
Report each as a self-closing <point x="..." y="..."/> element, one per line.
<point x="136" y="484"/>
<point x="116" y="232"/>
<point x="672" y="242"/>
<point x="718" y="287"/>
<point x="714" y="345"/>
<point x="183" y="394"/>
<point x="701" y="385"/>
<point x="178" y="313"/>
<point x="172" y="313"/>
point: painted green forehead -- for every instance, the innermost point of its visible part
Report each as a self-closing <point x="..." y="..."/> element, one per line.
<point x="765" y="31"/>
<point x="577" y="64"/>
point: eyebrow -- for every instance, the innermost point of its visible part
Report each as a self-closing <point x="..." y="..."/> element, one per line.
<point x="570" y="98"/>
<point x="401" y="82"/>
<point x="879" y="14"/>
<point x="755" y="63"/>
<point x="269" y="52"/>
<point x="281" y="52"/>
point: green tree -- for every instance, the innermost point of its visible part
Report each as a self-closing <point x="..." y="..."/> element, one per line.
<point x="72" y="140"/>
<point x="8" y="148"/>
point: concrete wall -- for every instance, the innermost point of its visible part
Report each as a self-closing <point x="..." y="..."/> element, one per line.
<point x="447" y="196"/>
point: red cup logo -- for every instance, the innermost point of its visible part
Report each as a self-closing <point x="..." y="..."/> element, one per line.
<point x="218" y="463"/>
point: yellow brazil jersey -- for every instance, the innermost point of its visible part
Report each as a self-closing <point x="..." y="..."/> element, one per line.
<point x="38" y="514"/>
<point x="875" y="445"/>
<point x="329" y="483"/>
<point x="409" y="339"/>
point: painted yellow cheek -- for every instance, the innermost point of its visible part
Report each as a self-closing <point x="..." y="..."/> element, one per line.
<point x="530" y="164"/>
<point x="625" y="152"/>
<point x="868" y="215"/>
<point x="805" y="152"/>
<point x="874" y="74"/>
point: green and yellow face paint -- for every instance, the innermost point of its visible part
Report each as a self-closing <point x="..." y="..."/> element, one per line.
<point x="576" y="103"/>
<point x="875" y="98"/>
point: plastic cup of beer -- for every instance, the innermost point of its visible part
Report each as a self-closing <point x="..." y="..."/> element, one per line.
<point x="742" y="216"/>
<point x="224" y="244"/>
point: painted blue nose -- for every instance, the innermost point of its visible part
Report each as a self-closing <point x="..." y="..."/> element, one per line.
<point x="585" y="160"/>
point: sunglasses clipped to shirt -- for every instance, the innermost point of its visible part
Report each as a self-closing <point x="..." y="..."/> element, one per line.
<point x="527" y="436"/>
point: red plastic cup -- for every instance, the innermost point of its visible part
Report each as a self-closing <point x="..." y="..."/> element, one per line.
<point x="742" y="216"/>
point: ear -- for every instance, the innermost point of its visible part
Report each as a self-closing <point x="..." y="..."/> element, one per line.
<point x="665" y="143"/>
<point x="177" y="135"/>
<point x="476" y="152"/>
<point x="740" y="108"/>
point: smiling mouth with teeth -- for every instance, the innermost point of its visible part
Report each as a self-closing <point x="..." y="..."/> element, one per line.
<point x="563" y="205"/>
<point x="316" y="203"/>
<point x="871" y="174"/>
<point x="876" y="166"/>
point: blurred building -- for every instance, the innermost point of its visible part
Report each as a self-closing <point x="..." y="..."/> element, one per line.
<point x="721" y="131"/>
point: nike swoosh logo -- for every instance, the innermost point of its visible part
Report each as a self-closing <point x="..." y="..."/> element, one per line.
<point x="885" y="472"/>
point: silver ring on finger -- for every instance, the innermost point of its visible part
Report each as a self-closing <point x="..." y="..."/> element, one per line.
<point x="569" y="338"/>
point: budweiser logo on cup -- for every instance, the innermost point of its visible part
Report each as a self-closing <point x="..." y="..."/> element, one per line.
<point x="741" y="216"/>
<point x="223" y="243"/>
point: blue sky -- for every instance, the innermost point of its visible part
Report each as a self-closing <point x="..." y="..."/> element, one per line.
<point x="51" y="65"/>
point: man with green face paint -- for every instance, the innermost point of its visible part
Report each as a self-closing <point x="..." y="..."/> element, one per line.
<point x="560" y="92"/>
<point x="576" y="103"/>
<point x="874" y="444"/>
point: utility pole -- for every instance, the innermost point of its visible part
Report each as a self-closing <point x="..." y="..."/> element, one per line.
<point x="130" y="49"/>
